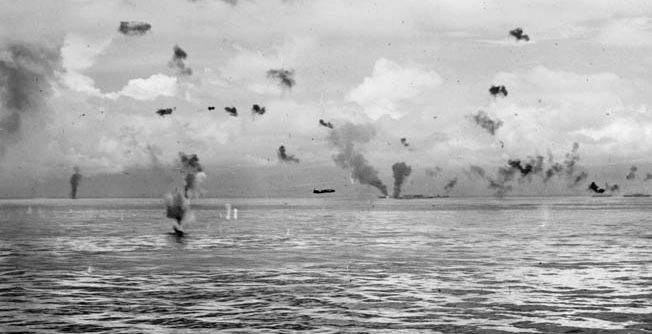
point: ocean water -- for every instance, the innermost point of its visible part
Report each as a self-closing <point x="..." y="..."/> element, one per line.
<point x="483" y="265"/>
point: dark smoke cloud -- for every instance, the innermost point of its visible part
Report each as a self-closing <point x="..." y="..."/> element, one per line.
<point x="344" y="139"/>
<point x="401" y="171"/>
<point x="433" y="172"/>
<point x="134" y="28"/>
<point x="257" y="110"/>
<point x="166" y="111"/>
<point x="325" y="124"/>
<point x="519" y="35"/>
<point x="231" y="111"/>
<point x="194" y="172"/>
<point x="178" y="61"/>
<point x="648" y="176"/>
<point x="404" y="142"/>
<point x="496" y="90"/>
<point x="284" y="157"/>
<point x="25" y="75"/>
<point x="450" y="185"/>
<point x="285" y="77"/>
<point x="75" y="180"/>
<point x="632" y="173"/>
<point x="597" y="190"/>
<point x="482" y="119"/>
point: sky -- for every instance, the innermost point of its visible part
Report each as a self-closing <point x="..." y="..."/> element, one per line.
<point x="75" y="91"/>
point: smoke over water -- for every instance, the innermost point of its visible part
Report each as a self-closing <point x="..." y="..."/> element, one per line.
<point x="450" y="185"/>
<point x="632" y="173"/>
<point x="75" y="179"/>
<point x="344" y="139"/>
<point x="607" y="188"/>
<point x="482" y="119"/>
<point x="194" y="174"/>
<point x="25" y="73"/>
<point x="284" y="157"/>
<point x="401" y="171"/>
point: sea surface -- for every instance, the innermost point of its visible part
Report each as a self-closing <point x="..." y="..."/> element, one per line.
<point x="322" y="265"/>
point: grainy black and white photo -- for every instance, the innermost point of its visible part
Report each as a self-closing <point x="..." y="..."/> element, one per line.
<point x="325" y="166"/>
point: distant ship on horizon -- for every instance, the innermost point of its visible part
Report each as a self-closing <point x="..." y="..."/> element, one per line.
<point x="637" y="195"/>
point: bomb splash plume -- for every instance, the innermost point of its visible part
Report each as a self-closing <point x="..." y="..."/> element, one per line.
<point x="178" y="61"/>
<point x="482" y="119"/>
<point x="401" y="171"/>
<point x="133" y="28"/>
<point x="284" y="157"/>
<point x="519" y="35"/>
<point x="284" y="77"/>
<point x="75" y="180"/>
<point x="25" y="75"/>
<point x="194" y="174"/>
<point x="344" y="139"/>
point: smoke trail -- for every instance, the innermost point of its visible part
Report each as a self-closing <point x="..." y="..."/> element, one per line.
<point x="495" y="90"/>
<point x="325" y="124"/>
<point x="177" y="61"/>
<point x="166" y="111"/>
<point x="632" y="173"/>
<point x="401" y="171"/>
<point x="450" y="185"/>
<point x="257" y="110"/>
<point x="482" y="119"/>
<point x="404" y="142"/>
<point x="25" y="74"/>
<point x="133" y="28"/>
<point x="75" y="179"/>
<point x="344" y="139"/>
<point x="433" y="172"/>
<point x="194" y="174"/>
<point x="231" y="111"/>
<point x="285" y="77"/>
<point x="519" y="35"/>
<point x="284" y="157"/>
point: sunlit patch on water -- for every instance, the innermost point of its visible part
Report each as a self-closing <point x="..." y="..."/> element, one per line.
<point x="469" y="266"/>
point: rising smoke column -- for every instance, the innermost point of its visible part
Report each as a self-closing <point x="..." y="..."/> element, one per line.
<point x="450" y="185"/>
<point x="178" y="61"/>
<point x="482" y="119"/>
<point x="25" y="75"/>
<point x="75" y="179"/>
<point x="284" y="157"/>
<point x="284" y="77"/>
<point x="194" y="174"/>
<point x="632" y="173"/>
<point x="344" y="139"/>
<point x="401" y="171"/>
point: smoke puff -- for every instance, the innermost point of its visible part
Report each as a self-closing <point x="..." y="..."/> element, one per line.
<point x="450" y="185"/>
<point x="231" y="111"/>
<point x="165" y="111"/>
<point x="285" y="77"/>
<point x="404" y="142"/>
<point x="75" y="179"/>
<point x="192" y="169"/>
<point x="25" y="75"/>
<point x="177" y="62"/>
<point x="482" y="119"/>
<point x="401" y="171"/>
<point x="133" y="28"/>
<point x="344" y="139"/>
<point x="257" y="110"/>
<point x="632" y="173"/>
<point x="325" y="124"/>
<point x="519" y="35"/>
<point x="495" y="90"/>
<point x="476" y="171"/>
<point x="284" y="157"/>
<point x="648" y="176"/>
<point x="432" y="172"/>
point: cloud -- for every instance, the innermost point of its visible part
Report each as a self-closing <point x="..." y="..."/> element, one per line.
<point x="389" y="84"/>
<point x="150" y="88"/>
<point x="628" y="32"/>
